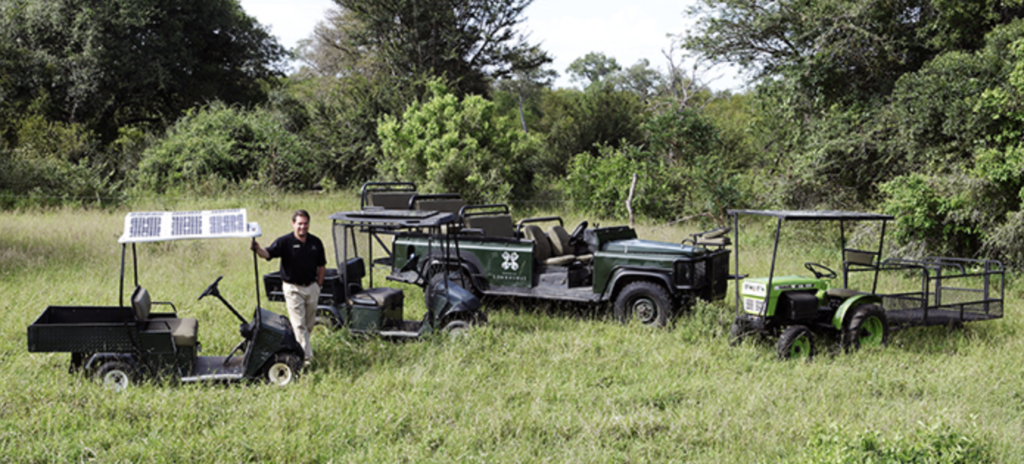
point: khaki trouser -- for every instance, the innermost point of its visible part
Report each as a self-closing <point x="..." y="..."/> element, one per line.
<point x="301" y="302"/>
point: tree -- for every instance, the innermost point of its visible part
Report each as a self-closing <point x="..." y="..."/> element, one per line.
<point x="113" y="63"/>
<point x="448" y="144"/>
<point x="468" y="42"/>
<point x="841" y="50"/>
<point x="592" y="68"/>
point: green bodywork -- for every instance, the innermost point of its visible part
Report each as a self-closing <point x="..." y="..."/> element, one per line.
<point x="508" y="262"/>
<point x="753" y="295"/>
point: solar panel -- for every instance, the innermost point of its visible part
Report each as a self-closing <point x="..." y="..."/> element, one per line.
<point x="185" y="225"/>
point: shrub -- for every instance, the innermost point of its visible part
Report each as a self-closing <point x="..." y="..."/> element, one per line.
<point x="231" y="145"/>
<point x="463" y="146"/>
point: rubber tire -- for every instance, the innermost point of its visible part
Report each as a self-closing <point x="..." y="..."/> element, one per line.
<point x="796" y="342"/>
<point x="116" y="375"/>
<point x="327" y="319"/>
<point x="649" y="299"/>
<point x="866" y="326"/>
<point x="736" y="334"/>
<point x="282" y="369"/>
<point x="457" y="328"/>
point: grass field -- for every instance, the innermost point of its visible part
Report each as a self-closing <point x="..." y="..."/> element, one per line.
<point x="540" y="383"/>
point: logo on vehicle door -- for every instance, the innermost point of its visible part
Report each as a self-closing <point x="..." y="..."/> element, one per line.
<point x="511" y="261"/>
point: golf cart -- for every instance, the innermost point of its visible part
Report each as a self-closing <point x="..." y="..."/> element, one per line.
<point x="645" y="281"/>
<point x="345" y="302"/>
<point x="798" y="309"/>
<point x="121" y="344"/>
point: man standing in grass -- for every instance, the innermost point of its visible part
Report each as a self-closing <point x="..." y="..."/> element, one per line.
<point x="303" y="264"/>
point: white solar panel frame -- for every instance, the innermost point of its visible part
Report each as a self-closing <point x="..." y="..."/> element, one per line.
<point x="162" y="226"/>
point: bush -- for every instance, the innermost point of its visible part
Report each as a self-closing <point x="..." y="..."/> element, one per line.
<point x="600" y="185"/>
<point x="462" y="146"/>
<point x="230" y="145"/>
<point x="55" y="163"/>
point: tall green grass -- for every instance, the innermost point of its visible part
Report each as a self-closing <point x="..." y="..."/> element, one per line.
<point x="542" y="382"/>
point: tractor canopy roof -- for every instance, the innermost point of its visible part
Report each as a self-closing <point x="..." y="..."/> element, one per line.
<point x="812" y="215"/>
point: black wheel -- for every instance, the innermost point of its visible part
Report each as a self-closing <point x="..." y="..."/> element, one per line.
<point x="796" y="342"/>
<point x="736" y="333"/>
<point x="462" y="278"/>
<point x="327" y="319"/>
<point x="646" y="302"/>
<point x="116" y="375"/>
<point x="282" y="369"/>
<point x="867" y="326"/>
<point x="457" y="328"/>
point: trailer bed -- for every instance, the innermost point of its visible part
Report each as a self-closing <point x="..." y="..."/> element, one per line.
<point x="83" y="329"/>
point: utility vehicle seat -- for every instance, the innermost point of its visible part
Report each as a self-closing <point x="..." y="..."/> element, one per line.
<point x="493" y="225"/>
<point x="183" y="330"/>
<point x="384" y="297"/>
<point x="542" y="247"/>
<point x="389" y="200"/>
<point x="444" y="206"/>
<point x="560" y="244"/>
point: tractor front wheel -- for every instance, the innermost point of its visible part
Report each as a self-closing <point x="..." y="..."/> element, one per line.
<point x="646" y="302"/>
<point x="796" y="342"/>
<point x="867" y="326"/>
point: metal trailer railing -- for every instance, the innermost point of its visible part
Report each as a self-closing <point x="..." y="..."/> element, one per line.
<point x="951" y="290"/>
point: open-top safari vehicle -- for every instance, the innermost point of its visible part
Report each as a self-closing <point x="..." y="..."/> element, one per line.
<point x="647" y="281"/>
<point x="345" y="302"/>
<point x="798" y="309"/>
<point x="123" y="343"/>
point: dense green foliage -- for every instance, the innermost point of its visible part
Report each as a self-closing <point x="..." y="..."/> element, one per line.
<point x="223" y="144"/>
<point x="460" y="146"/>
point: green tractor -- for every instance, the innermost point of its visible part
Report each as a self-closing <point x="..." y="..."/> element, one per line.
<point x="801" y="309"/>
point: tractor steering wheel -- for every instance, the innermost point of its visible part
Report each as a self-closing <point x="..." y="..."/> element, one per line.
<point x="577" y="234"/>
<point x="820" y="271"/>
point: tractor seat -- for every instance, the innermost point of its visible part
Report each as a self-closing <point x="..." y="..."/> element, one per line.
<point x="843" y="293"/>
<point x="183" y="330"/>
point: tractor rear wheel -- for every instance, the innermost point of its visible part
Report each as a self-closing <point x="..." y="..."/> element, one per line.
<point x="796" y="342"/>
<point x="867" y="326"/>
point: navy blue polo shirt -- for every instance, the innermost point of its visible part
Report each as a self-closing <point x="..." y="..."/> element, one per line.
<point x="299" y="261"/>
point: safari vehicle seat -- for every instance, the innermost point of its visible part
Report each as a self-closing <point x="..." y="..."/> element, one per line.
<point x="492" y="225"/>
<point x="183" y="330"/>
<point x="542" y="247"/>
<point x="384" y="297"/>
<point x="560" y="244"/>
<point x="389" y="200"/>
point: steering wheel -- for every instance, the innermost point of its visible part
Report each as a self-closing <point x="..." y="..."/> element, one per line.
<point x="820" y="271"/>
<point x="212" y="289"/>
<point x="577" y="234"/>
